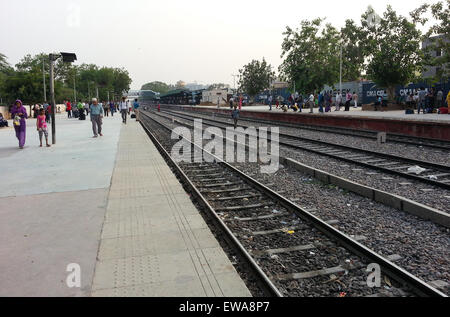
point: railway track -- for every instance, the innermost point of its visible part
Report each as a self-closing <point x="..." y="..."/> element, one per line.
<point x="292" y="252"/>
<point x="369" y="134"/>
<point x="434" y="174"/>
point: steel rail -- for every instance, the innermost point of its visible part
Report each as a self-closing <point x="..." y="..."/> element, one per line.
<point x="437" y="167"/>
<point x="368" y="134"/>
<point x="265" y="282"/>
<point x="397" y="273"/>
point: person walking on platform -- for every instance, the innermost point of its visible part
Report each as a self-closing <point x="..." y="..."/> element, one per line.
<point x="128" y="107"/>
<point x="320" y="101"/>
<point x="348" y="98"/>
<point x="106" y="109"/>
<point x="123" y="107"/>
<point x="41" y="127"/>
<point x="19" y="114"/>
<point x="448" y="101"/>
<point x="69" y="109"/>
<point x="86" y="107"/>
<point x="338" y="101"/>
<point x="96" y="117"/>
<point x="235" y="116"/>
<point x="355" y="100"/>
<point x="48" y="112"/>
<point x="311" y="103"/>
<point x="439" y="99"/>
<point x="136" y="109"/>
<point x="421" y="101"/>
<point x="270" y="102"/>
<point x="112" y="108"/>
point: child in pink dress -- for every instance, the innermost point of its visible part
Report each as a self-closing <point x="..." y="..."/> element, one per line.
<point x="41" y="125"/>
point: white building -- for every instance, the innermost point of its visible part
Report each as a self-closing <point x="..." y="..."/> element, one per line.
<point x="215" y="96"/>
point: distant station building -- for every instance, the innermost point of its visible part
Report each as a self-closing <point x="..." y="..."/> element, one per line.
<point x="148" y="96"/>
<point x="215" y="96"/>
<point x="176" y="97"/>
<point x="432" y="71"/>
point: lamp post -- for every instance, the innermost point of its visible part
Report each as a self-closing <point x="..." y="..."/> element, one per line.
<point x="69" y="58"/>
<point x="234" y="82"/>
<point x="340" y="71"/>
<point x="74" y="87"/>
<point x="43" y="76"/>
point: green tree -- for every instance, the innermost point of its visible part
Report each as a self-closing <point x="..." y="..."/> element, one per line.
<point x="157" y="86"/>
<point x="392" y="48"/>
<point x="122" y="81"/>
<point x="5" y="71"/>
<point x="26" y="82"/>
<point x="311" y="56"/>
<point x="352" y="52"/>
<point x="255" y="77"/>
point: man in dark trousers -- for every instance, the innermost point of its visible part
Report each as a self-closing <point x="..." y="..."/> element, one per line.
<point x="235" y="116"/>
<point x="123" y="107"/>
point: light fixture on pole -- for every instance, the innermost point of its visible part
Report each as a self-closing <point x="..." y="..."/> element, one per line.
<point x="67" y="58"/>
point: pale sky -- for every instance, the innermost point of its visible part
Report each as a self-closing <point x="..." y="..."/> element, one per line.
<point x="167" y="40"/>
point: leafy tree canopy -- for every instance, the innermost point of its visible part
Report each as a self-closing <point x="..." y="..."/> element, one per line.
<point x="311" y="55"/>
<point x="158" y="86"/>
<point x="392" y="48"/>
<point x="255" y="77"/>
<point x="25" y="81"/>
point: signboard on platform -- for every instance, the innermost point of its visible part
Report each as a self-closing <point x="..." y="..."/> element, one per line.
<point x="370" y="91"/>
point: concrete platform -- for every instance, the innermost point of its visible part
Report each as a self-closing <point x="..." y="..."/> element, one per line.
<point x="354" y="112"/>
<point x="112" y="206"/>
<point x="433" y="126"/>
<point x="154" y="242"/>
<point x="52" y="206"/>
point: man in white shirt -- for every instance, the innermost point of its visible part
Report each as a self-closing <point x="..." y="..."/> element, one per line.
<point x="355" y="100"/>
<point x="311" y="103"/>
<point x="123" y="108"/>
<point x="338" y="101"/>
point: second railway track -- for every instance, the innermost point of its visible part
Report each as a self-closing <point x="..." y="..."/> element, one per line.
<point x="368" y="134"/>
<point x="434" y="174"/>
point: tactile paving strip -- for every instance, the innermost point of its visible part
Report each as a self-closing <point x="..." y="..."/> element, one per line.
<point x="154" y="242"/>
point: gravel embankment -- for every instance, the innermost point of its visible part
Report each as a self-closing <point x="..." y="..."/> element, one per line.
<point x="424" y="247"/>
<point x="405" y="150"/>
<point x="426" y="194"/>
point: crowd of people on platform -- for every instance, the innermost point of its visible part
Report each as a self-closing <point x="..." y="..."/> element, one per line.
<point x="324" y="101"/>
<point x="43" y="114"/>
<point x="429" y="101"/>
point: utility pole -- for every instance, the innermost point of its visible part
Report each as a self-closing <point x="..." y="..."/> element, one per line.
<point x="43" y="76"/>
<point x="52" y="58"/>
<point x="234" y="82"/>
<point x="96" y="88"/>
<point x="340" y="72"/>
<point x="74" y="88"/>
<point x="108" y="95"/>
<point x="67" y="57"/>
